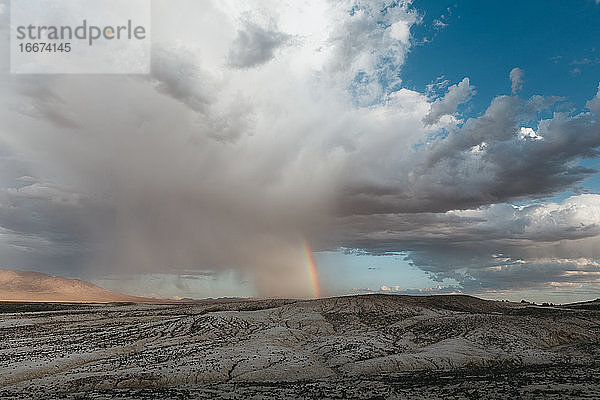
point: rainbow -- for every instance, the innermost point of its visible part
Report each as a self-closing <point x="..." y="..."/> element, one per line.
<point x="312" y="270"/>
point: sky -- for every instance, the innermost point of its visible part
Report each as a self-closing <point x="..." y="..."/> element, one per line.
<point x="317" y="148"/>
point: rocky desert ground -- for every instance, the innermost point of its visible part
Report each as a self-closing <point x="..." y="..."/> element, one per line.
<point x="372" y="346"/>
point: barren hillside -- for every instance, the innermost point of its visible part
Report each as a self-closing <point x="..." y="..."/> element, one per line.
<point x="29" y="286"/>
<point x="357" y="347"/>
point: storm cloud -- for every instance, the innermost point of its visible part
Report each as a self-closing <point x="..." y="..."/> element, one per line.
<point x="292" y="127"/>
<point x="255" y="45"/>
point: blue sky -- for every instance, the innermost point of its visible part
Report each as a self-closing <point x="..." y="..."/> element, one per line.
<point x="420" y="135"/>
<point x="554" y="42"/>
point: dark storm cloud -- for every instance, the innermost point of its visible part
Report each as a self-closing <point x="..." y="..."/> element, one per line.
<point x="485" y="161"/>
<point x="494" y="247"/>
<point x="46" y="225"/>
<point x="227" y="157"/>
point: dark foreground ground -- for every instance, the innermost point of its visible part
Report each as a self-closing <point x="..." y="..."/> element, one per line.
<point x="351" y="347"/>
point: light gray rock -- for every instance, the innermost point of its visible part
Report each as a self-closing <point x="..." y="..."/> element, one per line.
<point x="347" y="347"/>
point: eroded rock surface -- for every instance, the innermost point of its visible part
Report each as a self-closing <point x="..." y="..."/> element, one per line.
<point x="348" y="347"/>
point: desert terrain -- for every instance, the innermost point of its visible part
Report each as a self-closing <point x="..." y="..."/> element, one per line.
<point x="372" y="346"/>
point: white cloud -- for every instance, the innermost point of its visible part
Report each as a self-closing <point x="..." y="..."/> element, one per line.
<point x="400" y="31"/>
<point x="594" y="104"/>
<point x="516" y="79"/>
<point x="457" y="94"/>
<point x="396" y="289"/>
<point x="254" y="45"/>
<point x="437" y="23"/>
<point x="528" y="133"/>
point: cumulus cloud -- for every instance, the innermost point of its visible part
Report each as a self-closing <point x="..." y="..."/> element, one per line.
<point x="483" y="161"/>
<point x="457" y="94"/>
<point x="516" y="79"/>
<point x="368" y="46"/>
<point x="255" y="45"/>
<point x="236" y="150"/>
<point x="495" y="247"/>
<point x="177" y="73"/>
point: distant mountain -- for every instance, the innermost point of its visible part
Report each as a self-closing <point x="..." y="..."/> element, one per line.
<point x="27" y="286"/>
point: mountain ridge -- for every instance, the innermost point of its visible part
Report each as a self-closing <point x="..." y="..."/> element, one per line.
<point x="32" y="286"/>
